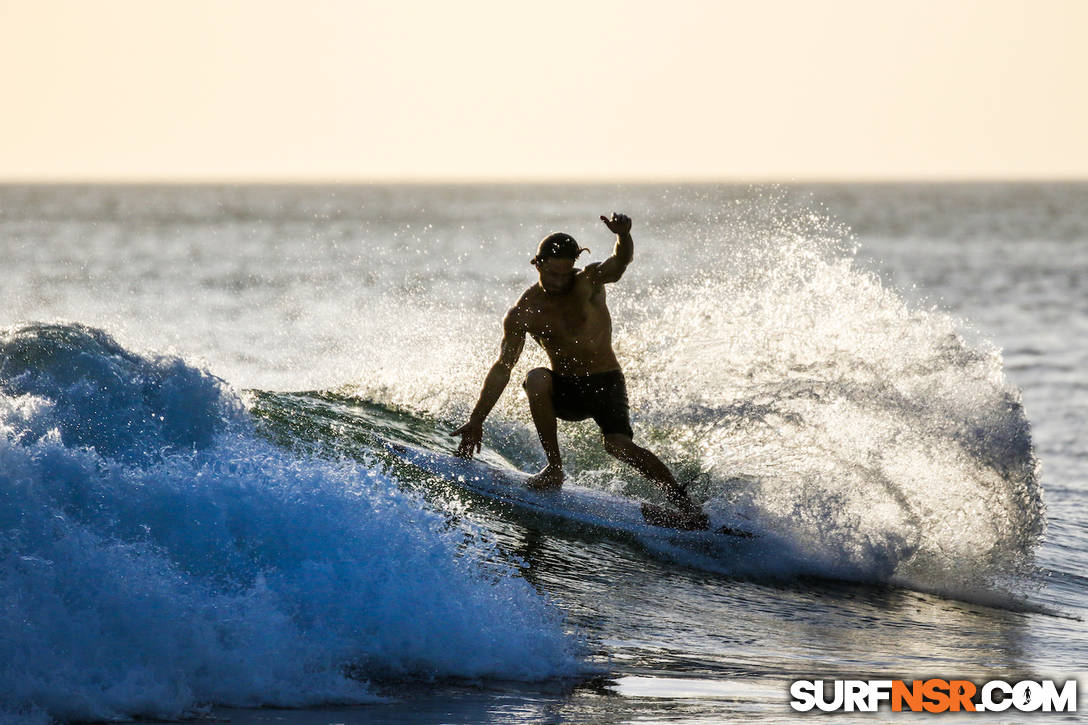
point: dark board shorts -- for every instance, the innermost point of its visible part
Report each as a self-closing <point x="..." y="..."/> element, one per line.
<point x="600" y="396"/>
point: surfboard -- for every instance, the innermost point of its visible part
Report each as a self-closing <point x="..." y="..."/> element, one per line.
<point x="571" y="504"/>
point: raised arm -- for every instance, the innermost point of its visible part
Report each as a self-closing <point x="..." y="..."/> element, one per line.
<point x="513" y="342"/>
<point x="611" y="269"/>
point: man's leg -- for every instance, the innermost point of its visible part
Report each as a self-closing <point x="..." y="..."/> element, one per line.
<point x="622" y="447"/>
<point x="538" y="386"/>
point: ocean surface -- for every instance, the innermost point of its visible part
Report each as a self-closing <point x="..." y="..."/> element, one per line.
<point x="201" y="517"/>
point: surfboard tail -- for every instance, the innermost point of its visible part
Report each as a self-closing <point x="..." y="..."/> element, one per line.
<point x="673" y="519"/>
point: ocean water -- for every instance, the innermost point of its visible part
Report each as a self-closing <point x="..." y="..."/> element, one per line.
<point x="199" y="516"/>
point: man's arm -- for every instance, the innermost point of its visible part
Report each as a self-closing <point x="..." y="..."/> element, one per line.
<point x="513" y="342"/>
<point x="611" y="269"/>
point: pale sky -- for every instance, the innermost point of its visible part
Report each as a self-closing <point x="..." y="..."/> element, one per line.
<point x="267" y="90"/>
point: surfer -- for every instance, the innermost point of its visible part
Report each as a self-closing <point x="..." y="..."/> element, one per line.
<point x="566" y="313"/>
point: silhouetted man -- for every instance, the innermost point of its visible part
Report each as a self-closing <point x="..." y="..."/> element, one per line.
<point x="566" y="313"/>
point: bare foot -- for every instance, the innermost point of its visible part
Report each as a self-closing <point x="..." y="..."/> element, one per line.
<point x="688" y="514"/>
<point x="679" y="498"/>
<point x="548" y="479"/>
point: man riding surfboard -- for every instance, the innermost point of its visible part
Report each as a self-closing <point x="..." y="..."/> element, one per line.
<point x="566" y="313"/>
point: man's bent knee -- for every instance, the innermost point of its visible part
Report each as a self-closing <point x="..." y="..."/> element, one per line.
<point x="618" y="443"/>
<point x="538" y="381"/>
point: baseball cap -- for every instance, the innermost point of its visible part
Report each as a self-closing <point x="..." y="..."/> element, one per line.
<point x="557" y="245"/>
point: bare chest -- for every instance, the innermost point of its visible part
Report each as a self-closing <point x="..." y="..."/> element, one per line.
<point x="574" y="317"/>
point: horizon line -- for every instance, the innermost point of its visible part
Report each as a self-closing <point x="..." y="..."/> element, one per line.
<point x="693" y="180"/>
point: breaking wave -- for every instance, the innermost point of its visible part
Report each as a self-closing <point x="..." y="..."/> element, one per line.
<point x="157" y="556"/>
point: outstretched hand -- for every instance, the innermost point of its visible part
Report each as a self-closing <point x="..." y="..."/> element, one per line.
<point x="618" y="224"/>
<point x="471" y="436"/>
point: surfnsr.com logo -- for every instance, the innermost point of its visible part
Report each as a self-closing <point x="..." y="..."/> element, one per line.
<point x="933" y="695"/>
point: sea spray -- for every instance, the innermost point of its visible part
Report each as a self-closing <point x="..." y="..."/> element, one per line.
<point x="874" y="435"/>
<point x="156" y="555"/>
<point x="789" y="386"/>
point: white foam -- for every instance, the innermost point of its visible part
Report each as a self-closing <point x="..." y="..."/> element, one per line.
<point x="874" y="436"/>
